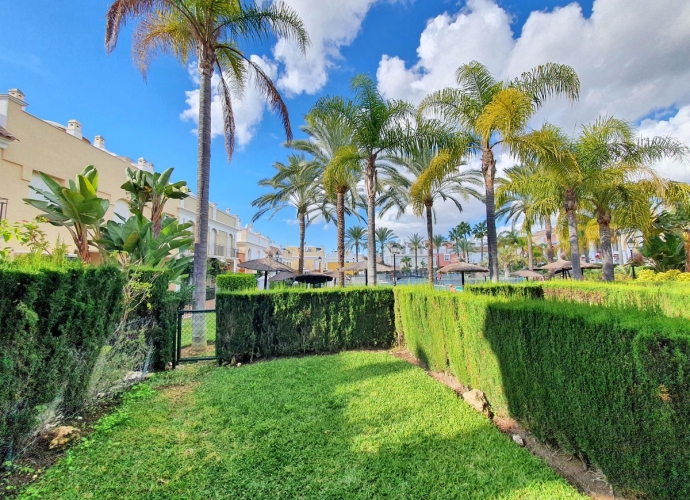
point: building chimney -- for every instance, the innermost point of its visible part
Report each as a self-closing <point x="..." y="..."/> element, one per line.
<point x="17" y="94"/>
<point x="74" y="128"/>
<point x="99" y="142"/>
<point x="142" y="164"/>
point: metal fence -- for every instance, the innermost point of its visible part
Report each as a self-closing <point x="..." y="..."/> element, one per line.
<point x="191" y="324"/>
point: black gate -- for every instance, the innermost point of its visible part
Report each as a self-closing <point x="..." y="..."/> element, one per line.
<point x="190" y="322"/>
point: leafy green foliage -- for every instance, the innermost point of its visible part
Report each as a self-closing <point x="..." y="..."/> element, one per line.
<point x="76" y="207"/>
<point x="591" y="379"/>
<point x="288" y="322"/>
<point x="233" y="282"/>
<point x="53" y="324"/>
<point x="352" y="426"/>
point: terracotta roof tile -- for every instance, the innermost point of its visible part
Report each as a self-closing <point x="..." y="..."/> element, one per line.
<point x="4" y="133"/>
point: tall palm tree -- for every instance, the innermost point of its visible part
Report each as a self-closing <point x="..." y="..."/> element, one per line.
<point x="294" y="186"/>
<point x="437" y="242"/>
<point x="488" y="112"/>
<point x="604" y="170"/>
<point x="407" y="183"/>
<point x="355" y="237"/>
<point x="212" y="32"/>
<point x="464" y="230"/>
<point x="384" y="237"/>
<point x="479" y="231"/>
<point x="379" y="126"/>
<point x="456" y="238"/>
<point x="328" y="134"/>
<point x="414" y="243"/>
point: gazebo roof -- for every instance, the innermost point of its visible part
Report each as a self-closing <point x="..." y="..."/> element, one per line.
<point x="463" y="267"/>
<point x="265" y="264"/>
<point x="362" y="266"/>
<point x="557" y="266"/>
<point x="282" y="276"/>
<point x="527" y="273"/>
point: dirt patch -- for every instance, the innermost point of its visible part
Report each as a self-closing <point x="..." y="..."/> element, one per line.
<point x="35" y="456"/>
<point x="210" y="350"/>
<point x="176" y="393"/>
<point x="589" y="481"/>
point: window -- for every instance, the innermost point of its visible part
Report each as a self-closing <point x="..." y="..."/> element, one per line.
<point x="37" y="182"/>
<point x="446" y="257"/>
<point x="121" y="209"/>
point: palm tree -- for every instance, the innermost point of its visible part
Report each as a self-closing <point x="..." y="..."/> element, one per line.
<point x="437" y="242"/>
<point x="414" y="243"/>
<point x="464" y="230"/>
<point x="604" y="170"/>
<point x="407" y="183"/>
<point x="212" y="32"/>
<point x="354" y="237"/>
<point x="488" y="112"/>
<point x="328" y="134"/>
<point x="384" y="236"/>
<point x="379" y="126"/>
<point x="294" y="186"/>
<point x="479" y="231"/>
<point x="406" y="262"/>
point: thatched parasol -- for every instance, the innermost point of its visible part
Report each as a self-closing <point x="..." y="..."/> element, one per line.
<point x="558" y="266"/>
<point x="282" y="276"/>
<point x="527" y="274"/>
<point x="313" y="278"/>
<point x="362" y="266"/>
<point x="589" y="265"/>
<point x="462" y="268"/>
<point x="266" y="265"/>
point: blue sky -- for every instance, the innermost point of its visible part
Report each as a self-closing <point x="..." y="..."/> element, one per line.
<point x="53" y="52"/>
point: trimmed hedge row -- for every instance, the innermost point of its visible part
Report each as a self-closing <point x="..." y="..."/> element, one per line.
<point x="161" y="306"/>
<point x="289" y="322"/>
<point x="527" y="291"/>
<point x="232" y="282"/>
<point x="612" y="385"/>
<point x="672" y="299"/>
<point x="53" y="325"/>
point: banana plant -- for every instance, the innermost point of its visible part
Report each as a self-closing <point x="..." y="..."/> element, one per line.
<point x="154" y="188"/>
<point x="133" y="242"/>
<point x="76" y="207"/>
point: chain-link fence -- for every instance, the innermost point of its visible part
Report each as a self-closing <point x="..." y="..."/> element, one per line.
<point x="196" y="335"/>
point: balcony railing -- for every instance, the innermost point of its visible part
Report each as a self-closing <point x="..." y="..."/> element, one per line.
<point x="3" y="208"/>
<point x="219" y="250"/>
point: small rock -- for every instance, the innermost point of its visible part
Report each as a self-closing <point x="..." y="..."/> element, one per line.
<point x="63" y="435"/>
<point x="80" y="418"/>
<point x="133" y="376"/>
<point x="100" y="395"/>
<point x="477" y="400"/>
<point x="239" y="364"/>
<point x="518" y="440"/>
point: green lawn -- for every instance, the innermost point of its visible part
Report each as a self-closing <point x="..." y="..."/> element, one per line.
<point x="354" y="425"/>
<point x="210" y="319"/>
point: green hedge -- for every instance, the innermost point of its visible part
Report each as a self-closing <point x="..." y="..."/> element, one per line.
<point x="527" y="290"/>
<point x="611" y="385"/>
<point x="289" y="322"/>
<point x="232" y="282"/>
<point x="53" y="325"/>
<point x="161" y="306"/>
<point x="669" y="299"/>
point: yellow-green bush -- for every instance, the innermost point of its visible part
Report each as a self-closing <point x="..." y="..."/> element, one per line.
<point x="672" y="275"/>
<point x="613" y="385"/>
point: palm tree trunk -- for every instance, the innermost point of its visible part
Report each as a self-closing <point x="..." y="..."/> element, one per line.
<point x="570" y="206"/>
<point x="430" y="248"/>
<point x="357" y="252"/>
<point x="530" y="253"/>
<point x="202" y="186"/>
<point x="489" y="171"/>
<point x="686" y="245"/>
<point x="416" y="268"/>
<point x="549" y="238"/>
<point x="370" y="181"/>
<point x="340" y="220"/>
<point x="302" y="228"/>
<point x="604" y="221"/>
<point x="481" y="249"/>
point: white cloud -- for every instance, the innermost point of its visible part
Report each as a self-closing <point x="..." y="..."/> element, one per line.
<point x="677" y="126"/>
<point x="248" y="110"/>
<point x="331" y="24"/>
<point x="630" y="58"/>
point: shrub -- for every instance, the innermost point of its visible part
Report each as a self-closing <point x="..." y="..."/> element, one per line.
<point x="53" y="325"/>
<point x="669" y="299"/>
<point x="232" y="282"/>
<point x="289" y="322"/>
<point x="527" y="290"/>
<point x="611" y="385"/>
